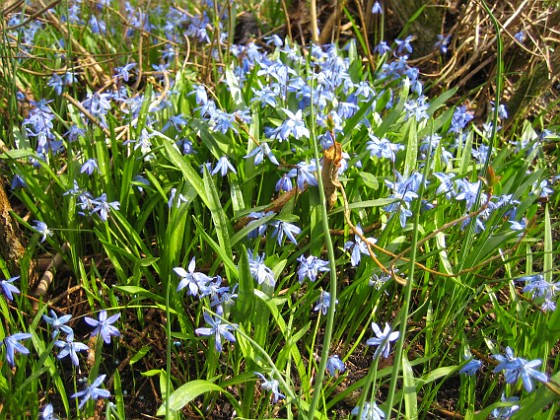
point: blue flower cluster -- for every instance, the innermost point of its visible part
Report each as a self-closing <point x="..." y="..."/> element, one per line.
<point x="69" y="347"/>
<point x="513" y="368"/>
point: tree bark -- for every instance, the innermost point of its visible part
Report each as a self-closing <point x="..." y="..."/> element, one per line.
<point x="11" y="246"/>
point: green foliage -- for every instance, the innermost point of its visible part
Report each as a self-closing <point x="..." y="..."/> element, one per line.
<point x="444" y="270"/>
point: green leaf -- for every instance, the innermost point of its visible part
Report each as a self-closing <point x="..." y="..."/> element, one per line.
<point x="17" y="154"/>
<point x="188" y="392"/>
<point x="189" y="174"/>
<point x="218" y="215"/>
<point x="370" y="180"/>
<point x="136" y="291"/>
<point x="219" y="250"/>
<point x="436" y="374"/>
<point x="466" y="154"/>
<point x="140" y="354"/>
<point x="548" y="247"/>
<point x="148" y="261"/>
<point x="440" y="101"/>
<point x="351" y="122"/>
<point x="281" y="323"/>
<point x="411" y="158"/>
<point x="252" y="225"/>
<point x="152" y="372"/>
<point x="410" y="396"/>
<point x="118" y="393"/>
<point x="246" y="299"/>
<point x="144" y="109"/>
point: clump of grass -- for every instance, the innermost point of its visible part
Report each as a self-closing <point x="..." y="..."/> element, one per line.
<point x="243" y="222"/>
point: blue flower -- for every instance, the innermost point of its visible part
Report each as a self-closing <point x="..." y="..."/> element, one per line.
<point x="540" y="288"/>
<point x="224" y="296"/>
<point x="194" y="280"/>
<point x="274" y="39"/>
<point x="382" y="340"/>
<point x="186" y="146"/>
<point x="305" y="174"/>
<point x="442" y="43"/>
<point x="223" y="166"/>
<point x="260" y="272"/>
<point x="222" y="121"/>
<point x="377" y="9"/>
<point x="324" y="302"/>
<point x="505" y="413"/>
<point x="382" y="148"/>
<point x="215" y="291"/>
<point x="479" y="224"/>
<point x="284" y="184"/>
<point x="69" y="348"/>
<point x="520" y="37"/>
<point x="8" y="288"/>
<point x="18" y="182"/>
<point x="403" y="46"/>
<point x="103" y="326"/>
<point x="471" y="367"/>
<point x="270" y="385"/>
<point x="382" y="48"/>
<point x="56" y="83"/>
<point x="102" y="207"/>
<point x="370" y="411"/>
<point x="42" y="228"/>
<point x="282" y="228"/>
<point x="92" y="392"/>
<point x="293" y="126"/>
<point x="265" y="95"/>
<point x="516" y="367"/>
<point x="358" y="247"/>
<point x="417" y="108"/>
<point x="177" y="201"/>
<point x="260" y="151"/>
<point x="544" y="189"/>
<point x="89" y="167"/>
<point x="161" y="70"/>
<point x="334" y="364"/>
<point x="97" y="26"/>
<point x="168" y="54"/>
<point x="432" y="142"/>
<point x="535" y="285"/>
<point x="59" y="324"/>
<point x="217" y="329"/>
<point x="377" y="282"/>
<point x="97" y="104"/>
<point x="502" y="110"/>
<point x="48" y="413"/>
<point x="122" y="72"/>
<point x="520" y="225"/>
<point x="177" y="121"/>
<point x="201" y="97"/>
<point x="446" y="184"/>
<point x="310" y="267"/>
<point x="261" y="229"/>
<point x="12" y="344"/>
<point x="74" y="132"/>
<point x="480" y="153"/>
<point x="143" y="143"/>
<point x="461" y="117"/>
<point x="468" y="192"/>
